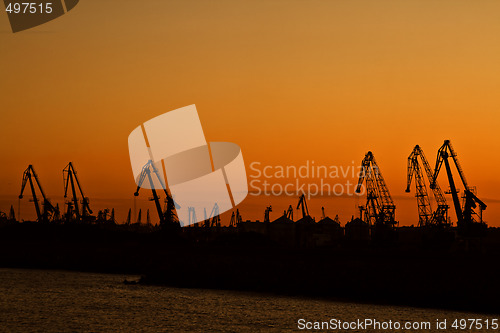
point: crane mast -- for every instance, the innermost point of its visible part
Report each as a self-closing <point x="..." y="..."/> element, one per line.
<point x="426" y="216"/>
<point x="49" y="213"/>
<point x="465" y="214"/>
<point x="380" y="208"/>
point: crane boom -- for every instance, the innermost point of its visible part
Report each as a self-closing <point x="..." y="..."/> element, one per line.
<point x="457" y="164"/>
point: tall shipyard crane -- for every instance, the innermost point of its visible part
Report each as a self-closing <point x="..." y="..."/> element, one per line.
<point x="426" y="217"/>
<point x="167" y="216"/>
<point x="466" y="215"/>
<point x="49" y="212"/>
<point x="379" y="209"/>
<point x="73" y="212"/>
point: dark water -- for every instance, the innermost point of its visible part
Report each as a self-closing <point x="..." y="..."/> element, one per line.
<point x="59" y="301"/>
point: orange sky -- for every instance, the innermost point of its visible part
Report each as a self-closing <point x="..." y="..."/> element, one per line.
<point x="288" y="81"/>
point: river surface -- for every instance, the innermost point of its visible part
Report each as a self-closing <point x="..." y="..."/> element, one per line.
<point x="61" y="301"/>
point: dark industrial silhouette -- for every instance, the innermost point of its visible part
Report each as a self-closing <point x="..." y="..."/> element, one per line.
<point x="283" y="255"/>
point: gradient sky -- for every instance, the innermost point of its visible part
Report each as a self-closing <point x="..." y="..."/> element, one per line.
<point x="288" y="81"/>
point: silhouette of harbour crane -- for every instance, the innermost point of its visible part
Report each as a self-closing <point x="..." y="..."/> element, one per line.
<point x="466" y="215"/>
<point x="303" y="204"/>
<point x="167" y="217"/>
<point x="289" y="213"/>
<point x="379" y="208"/>
<point x="46" y="213"/>
<point x="425" y="215"/>
<point x="268" y="210"/>
<point x="105" y="216"/>
<point x="235" y="219"/>
<point x="73" y="211"/>
<point x="214" y="218"/>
